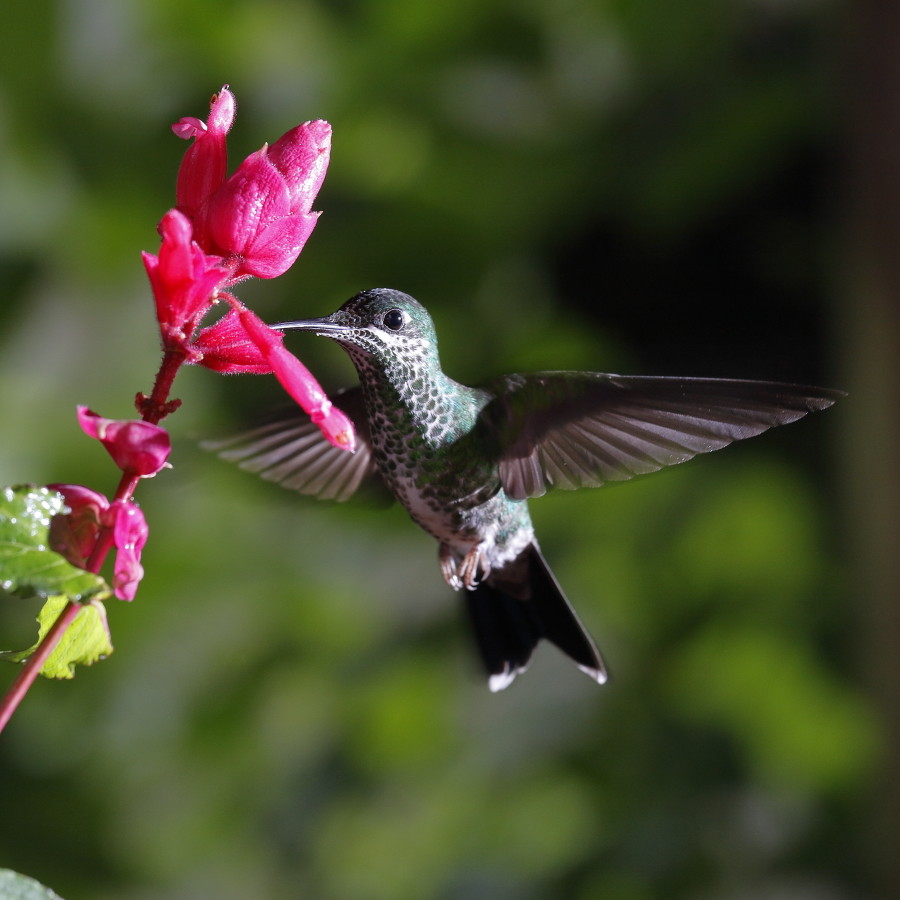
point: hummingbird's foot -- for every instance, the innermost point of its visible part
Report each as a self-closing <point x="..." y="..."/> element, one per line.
<point x="448" y="568"/>
<point x="474" y="569"/>
<point x="467" y="574"/>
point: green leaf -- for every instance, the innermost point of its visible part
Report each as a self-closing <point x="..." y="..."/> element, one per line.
<point x="86" y="640"/>
<point x="14" y="886"/>
<point x="28" y="567"/>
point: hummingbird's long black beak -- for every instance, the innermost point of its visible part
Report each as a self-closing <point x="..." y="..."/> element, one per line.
<point x="324" y="326"/>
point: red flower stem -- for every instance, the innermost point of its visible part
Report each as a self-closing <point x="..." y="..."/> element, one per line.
<point x="153" y="408"/>
<point x="157" y="406"/>
<point x="35" y="662"/>
<point x="127" y="486"/>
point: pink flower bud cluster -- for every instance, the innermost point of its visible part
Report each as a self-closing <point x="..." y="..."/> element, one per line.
<point x="226" y="229"/>
<point x="259" y="218"/>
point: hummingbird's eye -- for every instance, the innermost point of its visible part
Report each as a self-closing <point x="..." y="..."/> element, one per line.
<point x="394" y="319"/>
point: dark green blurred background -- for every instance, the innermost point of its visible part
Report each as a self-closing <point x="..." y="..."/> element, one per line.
<point x="700" y="187"/>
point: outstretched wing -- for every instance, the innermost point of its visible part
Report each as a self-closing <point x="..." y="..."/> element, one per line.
<point x="292" y="452"/>
<point x="582" y="429"/>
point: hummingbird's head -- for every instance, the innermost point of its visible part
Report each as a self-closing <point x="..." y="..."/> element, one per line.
<point x="380" y="326"/>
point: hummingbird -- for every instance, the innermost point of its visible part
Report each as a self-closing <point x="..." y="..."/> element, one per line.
<point x="464" y="461"/>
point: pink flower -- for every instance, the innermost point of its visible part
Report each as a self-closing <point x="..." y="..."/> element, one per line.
<point x="184" y="279"/>
<point x="261" y="216"/>
<point x="136" y="447"/>
<point x="298" y="381"/>
<point x="75" y="534"/>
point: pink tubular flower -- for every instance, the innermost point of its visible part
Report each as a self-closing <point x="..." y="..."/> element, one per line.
<point x="298" y="381"/>
<point x="75" y="534"/>
<point x="136" y="447"/>
<point x="184" y="279"/>
<point x="241" y="343"/>
<point x="261" y="216"/>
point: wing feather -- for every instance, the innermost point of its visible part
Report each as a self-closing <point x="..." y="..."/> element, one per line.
<point x="582" y="429"/>
<point x="292" y="452"/>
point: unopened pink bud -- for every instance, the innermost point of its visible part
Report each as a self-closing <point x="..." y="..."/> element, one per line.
<point x="301" y="156"/>
<point x="136" y="447"/>
<point x="74" y="534"/>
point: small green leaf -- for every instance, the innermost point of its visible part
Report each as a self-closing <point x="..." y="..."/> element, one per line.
<point x="84" y="642"/>
<point x="28" y="567"/>
<point x="14" y="886"/>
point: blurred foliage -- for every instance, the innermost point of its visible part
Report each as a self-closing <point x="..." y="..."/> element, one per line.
<point x="292" y="709"/>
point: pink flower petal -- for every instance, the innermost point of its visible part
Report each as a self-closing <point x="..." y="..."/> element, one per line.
<point x="276" y="248"/>
<point x="189" y="127"/>
<point x="251" y="198"/>
<point x="222" y="109"/>
<point x="129" y="536"/>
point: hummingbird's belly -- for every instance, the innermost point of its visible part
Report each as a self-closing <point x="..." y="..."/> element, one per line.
<point x="499" y="527"/>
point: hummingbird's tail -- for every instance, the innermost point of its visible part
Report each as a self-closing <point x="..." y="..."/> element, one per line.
<point x="516" y="606"/>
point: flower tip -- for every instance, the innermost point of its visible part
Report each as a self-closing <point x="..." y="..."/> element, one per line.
<point x="176" y="226"/>
<point x="222" y="108"/>
<point x="336" y="427"/>
<point x="346" y="440"/>
<point x="320" y="130"/>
